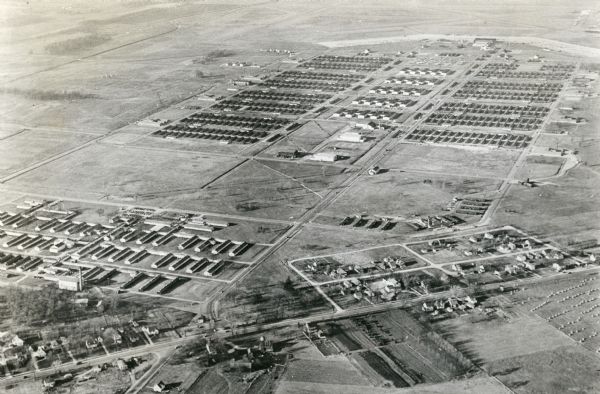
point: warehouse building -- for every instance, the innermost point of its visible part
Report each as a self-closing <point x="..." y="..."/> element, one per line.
<point x="351" y="137"/>
<point x="325" y="156"/>
<point x="70" y="283"/>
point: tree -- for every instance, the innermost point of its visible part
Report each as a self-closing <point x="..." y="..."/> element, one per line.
<point x="288" y="284"/>
<point x="256" y="297"/>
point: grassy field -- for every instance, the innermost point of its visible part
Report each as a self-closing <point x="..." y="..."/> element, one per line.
<point x="405" y="195"/>
<point x="340" y="372"/>
<point x="177" y="377"/>
<point x="543" y="209"/>
<point x="261" y="296"/>
<point x="30" y="146"/>
<point x="540" y="167"/>
<point x="127" y="174"/>
<point x="494" y="340"/>
<point x="474" y="385"/>
<point x="315" y="240"/>
<point x="266" y="189"/>
<point x="558" y="370"/>
<point x="459" y="161"/>
<point x="306" y="138"/>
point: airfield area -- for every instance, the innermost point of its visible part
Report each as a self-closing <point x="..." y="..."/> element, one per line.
<point x="299" y="197"/>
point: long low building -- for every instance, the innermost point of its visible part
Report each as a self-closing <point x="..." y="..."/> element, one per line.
<point x="351" y="137"/>
<point x="325" y="156"/>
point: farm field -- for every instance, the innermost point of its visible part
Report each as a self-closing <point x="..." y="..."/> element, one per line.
<point x="549" y="371"/>
<point x="475" y="385"/>
<point x="494" y="340"/>
<point x="570" y="305"/>
<point x="339" y="372"/>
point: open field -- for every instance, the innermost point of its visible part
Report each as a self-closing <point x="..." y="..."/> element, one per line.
<point x="543" y="209"/>
<point x="124" y="174"/>
<point x="405" y="194"/>
<point x="569" y="305"/>
<point x="267" y="189"/>
<point x="306" y="138"/>
<point x="540" y="167"/>
<point x="561" y="369"/>
<point x="474" y="385"/>
<point x="494" y="340"/>
<point x="340" y="372"/>
<point x="30" y="146"/>
<point x="465" y="161"/>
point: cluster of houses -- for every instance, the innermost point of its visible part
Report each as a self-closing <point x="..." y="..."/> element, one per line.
<point x="449" y="305"/>
<point x="485" y="44"/>
<point x="489" y="242"/>
<point x="278" y="51"/>
<point x="385" y="289"/>
<point x="421" y="223"/>
<point x="389" y="263"/>
<point x="240" y="64"/>
<point x="13" y="353"/>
